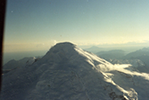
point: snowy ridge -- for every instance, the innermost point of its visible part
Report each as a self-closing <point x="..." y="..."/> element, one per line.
<point x="67" y="72"/>
<point x="31" y="61"/>
<point x="104" y="67"/>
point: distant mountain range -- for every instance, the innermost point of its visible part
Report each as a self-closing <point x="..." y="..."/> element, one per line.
<point x="66" y="72"/>
<point x="138" y="53"/>
<point x="111" y="54"/>
<point x="138" y="58"/>
<point x="94" y="49"/>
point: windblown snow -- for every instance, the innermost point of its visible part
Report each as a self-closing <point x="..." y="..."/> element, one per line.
<point x="67" y="72"/>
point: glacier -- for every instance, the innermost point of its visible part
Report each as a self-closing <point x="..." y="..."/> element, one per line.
<point x="66" y="72"/>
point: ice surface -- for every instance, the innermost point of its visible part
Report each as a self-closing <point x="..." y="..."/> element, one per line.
<point x="67" y="72"/>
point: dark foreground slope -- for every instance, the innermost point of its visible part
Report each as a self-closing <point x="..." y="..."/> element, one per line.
<point x="67" y="72"/>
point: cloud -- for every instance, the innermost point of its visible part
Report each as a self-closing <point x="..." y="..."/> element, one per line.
<point x="40" y="45"/>
<point x="55" y="42"/>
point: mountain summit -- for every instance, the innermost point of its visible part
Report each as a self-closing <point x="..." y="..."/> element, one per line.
<point x="67" y="72"/>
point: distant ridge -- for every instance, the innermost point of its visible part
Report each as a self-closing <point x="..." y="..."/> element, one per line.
<point x="94" y="49"/>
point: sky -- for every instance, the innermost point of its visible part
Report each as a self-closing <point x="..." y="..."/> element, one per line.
<point x="39" y="24"/>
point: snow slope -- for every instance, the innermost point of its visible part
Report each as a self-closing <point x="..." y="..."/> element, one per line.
<point x="13" y="64"/>
<point x="67" y="72"/>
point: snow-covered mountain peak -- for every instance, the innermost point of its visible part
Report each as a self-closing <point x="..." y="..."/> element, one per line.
<point x="59" y="52"/>
<point x="70" y="53"/>
<point x="67" y="72"/>
<point x="65" y="46"/>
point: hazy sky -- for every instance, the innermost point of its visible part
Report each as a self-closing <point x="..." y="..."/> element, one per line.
<point x="38" y="24"/>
